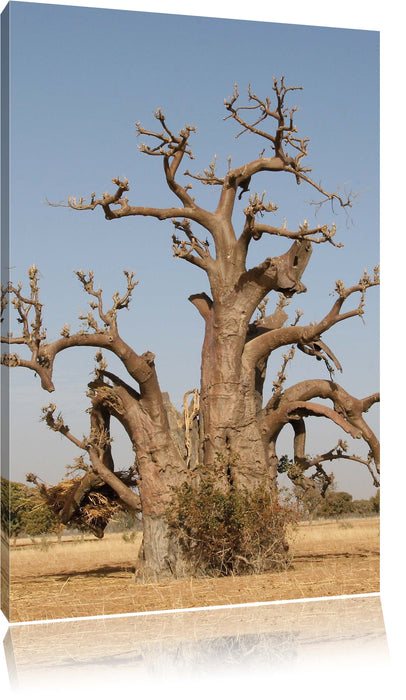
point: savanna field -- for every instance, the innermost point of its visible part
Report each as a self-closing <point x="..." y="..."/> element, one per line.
<point x="82" y="577"/>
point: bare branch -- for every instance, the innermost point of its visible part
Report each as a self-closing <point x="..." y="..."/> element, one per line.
<point x="122" y="208"/>
<point x="264" y="323"/>
<point x="284" y="128"/>
<point x="282" y="137"/>
<point x="344" y="201"/>
<point x="321" y="351"/>
<point x="295" y="403"/>
<point x="120" y="302"/>
<point x="203" y="304"/>
<point x="304" y="336"/>
<point x="29" y="312"/>
<point x="317" y="234"/>
<point x="303" y="462"/>
<point x="172" y="148"/>
<point x="57" y="425"/>
<point x="209" y="177"/>
<point x="277" y="387"/>
<point x="168" y="143"/>
<point x="43" y="354"/>
<point x="309" y="408"/>
<point x="33" y="334"/>
<point x="185" y="250"/>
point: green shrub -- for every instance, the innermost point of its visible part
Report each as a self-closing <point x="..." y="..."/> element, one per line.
<point x="362" y="507"/>
<point x="336" y="504"/>
<point x="129" y="536"/>
<point x="376" y="503"/>
<point x="38" y="518"/>
<point x="13" y="496"/>
<point x="24" y="510"/>
<point x="230" y="533"/>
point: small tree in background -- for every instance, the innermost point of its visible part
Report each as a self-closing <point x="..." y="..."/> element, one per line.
<point x="376" y="502"/>
<point x="13" y="496"/>
<point x="362" y="507"/>
<point x="335" y="505"/>
<point x="24" y="510"/>
<point x="38" y="518"/>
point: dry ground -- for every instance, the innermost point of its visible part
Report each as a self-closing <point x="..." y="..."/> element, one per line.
<point x="96" y="577"/>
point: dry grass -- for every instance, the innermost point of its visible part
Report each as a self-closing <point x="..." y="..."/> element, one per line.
<point x="95" y="577"/>
<point x="91" y="555"/>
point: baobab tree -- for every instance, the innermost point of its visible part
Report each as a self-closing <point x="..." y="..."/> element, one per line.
<point x="228" y="425"/>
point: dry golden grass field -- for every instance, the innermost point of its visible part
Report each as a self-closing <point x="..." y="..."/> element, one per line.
<point x="76" y="578"/>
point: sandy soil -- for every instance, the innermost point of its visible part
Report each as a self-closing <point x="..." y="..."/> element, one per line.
<point x="77" y="578"/>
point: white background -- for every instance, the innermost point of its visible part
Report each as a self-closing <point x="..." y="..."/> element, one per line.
<point x="371" y="683"/>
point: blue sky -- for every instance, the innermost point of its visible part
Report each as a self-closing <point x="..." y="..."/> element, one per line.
<point x="80" y="79"/>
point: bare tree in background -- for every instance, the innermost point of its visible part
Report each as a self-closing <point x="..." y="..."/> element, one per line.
<point x="227" y="425"/>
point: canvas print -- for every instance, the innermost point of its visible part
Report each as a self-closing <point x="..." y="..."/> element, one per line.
<point x="190" y="248"/>
<point x="248" y="648"/>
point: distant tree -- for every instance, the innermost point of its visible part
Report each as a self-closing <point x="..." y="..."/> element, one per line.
<point x="13" y="496"/>
<point x="124" y="521"/>
<point x="310" y="493"/>
<point x="363" y="507"/>
<point x="336" y="504"/>
<point x="376" y="502"/>
<point x="24" y="510"/>
<point x="37" y="517"/>
<point x="310" y="501"/>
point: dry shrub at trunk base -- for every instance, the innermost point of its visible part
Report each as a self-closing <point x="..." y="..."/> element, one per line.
<point x="230" y="533"/>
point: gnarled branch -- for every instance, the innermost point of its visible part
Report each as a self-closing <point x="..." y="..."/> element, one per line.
<point x="185" y="250"/>
<point x="43" y="353"/>
<point x="282" y="137"/>
<point x="296" y="402"/>
<point x="264" y="345"/>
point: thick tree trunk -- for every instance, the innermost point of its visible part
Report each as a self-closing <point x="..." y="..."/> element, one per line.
<point x="160" y="556"/>
<point x="154" y="428"/>
<point x="161" y="468"/>
<point x="231" y="436"/>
